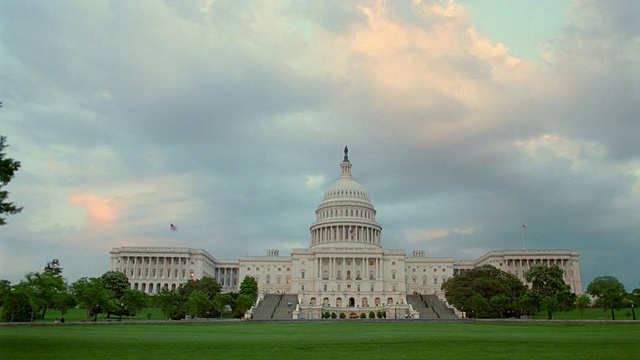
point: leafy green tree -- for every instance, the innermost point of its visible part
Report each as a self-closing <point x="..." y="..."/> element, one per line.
<point x="207" y="284"/>
<point x="566" y="300"/>
<point x="582" y="302"/>
<point x="117" y="283"/>
<point x="529" y="304"/>
<point x="47" y="287"/>
<point x="8" y="168"/>
<point x="134" y="301"/>
<point x="91" y="295"/>
<point x="220" y="301"/>
<point x="249" y="286"/>
<point x="500" y="303"/>
<point x="473" y="290"/>
<point x="54" y="268"/>
<point x="17" y="305"/>
<point x="167" y="301"/>
<point x="244" y="302"/>
<point x="609" y="293"/>
<point x="198" y="303"/>
<point x="5" y="290"/>
<point x="64" y="301"/>
<point x="548" y="283"/>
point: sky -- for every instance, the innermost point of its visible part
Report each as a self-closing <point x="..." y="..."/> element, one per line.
<point x="465" y="120"/>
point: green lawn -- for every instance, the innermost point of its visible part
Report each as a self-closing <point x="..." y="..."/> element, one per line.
<point x="353" y="339"/>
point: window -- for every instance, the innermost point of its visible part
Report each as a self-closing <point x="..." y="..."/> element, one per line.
<point x="435" y="281"/>
<point x="302" y="275"/>
<point x="324" y="287"/>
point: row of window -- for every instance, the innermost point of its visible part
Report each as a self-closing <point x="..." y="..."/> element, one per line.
<point x="268" y="269"/>
<point x="425" y="269"/>
<point x="155" y="261"/>
<point x="346" y="212"/>
<point x="155" y="273"/>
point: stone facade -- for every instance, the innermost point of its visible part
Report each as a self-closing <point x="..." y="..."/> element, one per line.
<point x="345" y="266"/>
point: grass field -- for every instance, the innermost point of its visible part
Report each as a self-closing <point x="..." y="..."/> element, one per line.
<point x="156" y="314"/>
<point x="353" y="339"/>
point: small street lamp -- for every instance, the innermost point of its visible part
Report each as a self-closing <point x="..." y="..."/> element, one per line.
<point x="633" y="311"/>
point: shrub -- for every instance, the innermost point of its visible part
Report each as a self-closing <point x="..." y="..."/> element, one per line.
<point x="372" y="315"/>
<point x="379" y="314"/>
<point x="333" y="315"/>
<point x="363" y="316"/>
<point x="342" y="316"/>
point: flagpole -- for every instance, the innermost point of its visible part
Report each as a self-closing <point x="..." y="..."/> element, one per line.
<point x="524" y="230"/>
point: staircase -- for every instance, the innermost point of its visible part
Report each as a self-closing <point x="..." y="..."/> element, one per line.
<point x="276" y="306"/>
<point x="420" y="306"/>
<point x="439" y="307"/>
<point x="266" y="307"/>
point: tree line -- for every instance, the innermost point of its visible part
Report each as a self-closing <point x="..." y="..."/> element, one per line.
<point x="110" y="294"/>
<point x="488" y="292"/>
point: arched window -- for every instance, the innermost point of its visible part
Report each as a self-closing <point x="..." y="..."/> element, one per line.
<point x="338" y="274"/>
<point x="365" y="302"/>
<point x="268" y="279"/>
<point x="325" y="302"/>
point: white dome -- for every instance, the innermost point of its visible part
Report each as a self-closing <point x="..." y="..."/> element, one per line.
<point x="345" y="215"/>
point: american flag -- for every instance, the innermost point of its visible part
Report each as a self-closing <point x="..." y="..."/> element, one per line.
<point x="173" y="227"/>
<point x="352" y="233"/>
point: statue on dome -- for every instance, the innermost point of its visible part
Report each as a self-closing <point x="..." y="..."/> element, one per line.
<point x="346" y="153"/>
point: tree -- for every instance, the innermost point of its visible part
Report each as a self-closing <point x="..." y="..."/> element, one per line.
<point x="220" y="301"/>
<point x="198" y="303"/>
<point x="91" y="295"/>
<point x="207" y="284"/>
<point x="134" y="301"/>
<point x="582" y="302"/>
<point x="8" y="168"/>
<point x="117" y="283"/>
<point x="5" y="290"/>
<point x="244" y="302"/>
<point x="473" y="290"/>
<point x="17" y="304"/>
<point x="64" y="301"/>
<point x="609" y="293"/>
<point x="53" y="268"/>
<point x="47" y="287"/>
<point x="548" y="283"/>
<point x="166" y="300"/>
<point x="249" y="286"/>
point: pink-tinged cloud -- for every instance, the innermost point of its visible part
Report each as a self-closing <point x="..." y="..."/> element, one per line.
<point x="101" y="211"/>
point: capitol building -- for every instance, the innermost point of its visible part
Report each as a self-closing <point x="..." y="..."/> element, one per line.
<point x="344" y="269"/>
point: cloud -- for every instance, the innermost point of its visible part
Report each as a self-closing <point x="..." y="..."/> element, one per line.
<point x="229" y="120"/>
